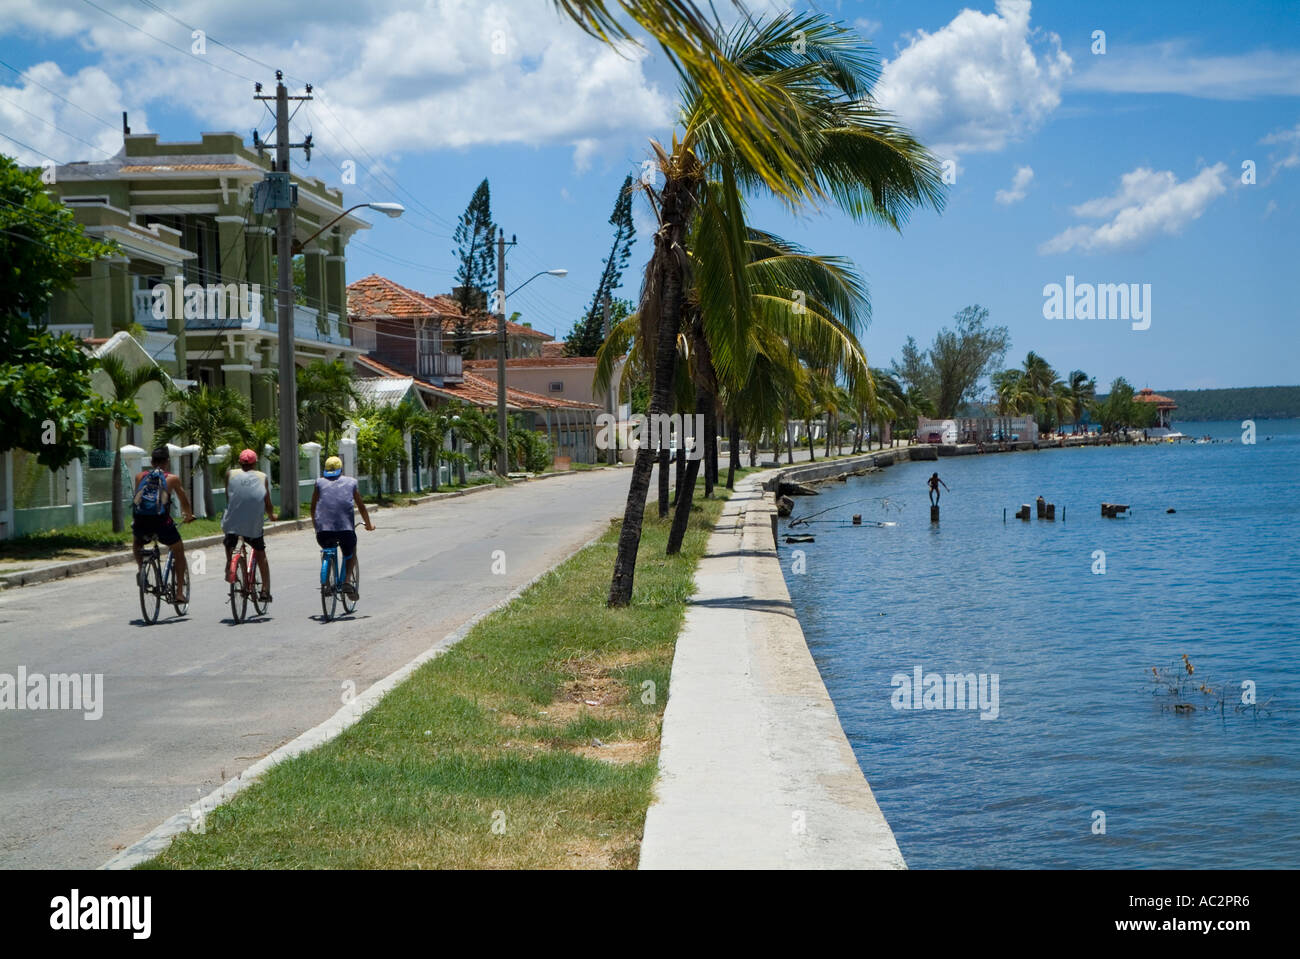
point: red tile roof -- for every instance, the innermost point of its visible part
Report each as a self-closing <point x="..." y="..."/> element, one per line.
<point x="377" y="297"/>
<point x="1150" y="396"/>
<point x="478" y="391"/>
<point x="554" y="348"/>
<point x="186" y="167"/>
<point x="532" y="362"/>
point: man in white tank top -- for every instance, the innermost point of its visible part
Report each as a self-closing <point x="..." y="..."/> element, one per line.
<point x="248" y="500"/>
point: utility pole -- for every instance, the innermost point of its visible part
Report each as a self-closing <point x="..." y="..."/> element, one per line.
<point x="502" y="341"/>
<point x="611" y="400"/>
<point x="278" y="193"/>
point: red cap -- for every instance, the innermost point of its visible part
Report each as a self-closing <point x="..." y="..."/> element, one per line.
<point x="248" y="458"/>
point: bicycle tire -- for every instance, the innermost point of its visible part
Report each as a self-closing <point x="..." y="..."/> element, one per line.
<point x="150" y="588"/>
<point x="238" y="596"/>
<point x="329" y="596"/>
<point x="255" y="585"/>
<point x="170" y="581"/>
<point x="349" y="605"/>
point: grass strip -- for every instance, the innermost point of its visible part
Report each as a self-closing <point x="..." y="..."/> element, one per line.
<point x="532" y="743"/>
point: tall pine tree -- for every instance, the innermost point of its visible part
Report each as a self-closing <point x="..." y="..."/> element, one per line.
<point x="589" y="332"/>
<point x="476" y="263"/>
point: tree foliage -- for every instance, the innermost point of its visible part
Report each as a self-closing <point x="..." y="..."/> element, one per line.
<point x="475" y="263"/>
<point x="589" y="332"/>
<point x="949" y="373"/>
<point x="46" y="400"/>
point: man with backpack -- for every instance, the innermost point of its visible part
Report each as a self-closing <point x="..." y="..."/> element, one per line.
<point x="151" y="516"/>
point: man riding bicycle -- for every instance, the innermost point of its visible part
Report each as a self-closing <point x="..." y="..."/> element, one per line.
<point x="248" y="501"/>
<point x="331" y="513"/>
<point x="151" y="515"/>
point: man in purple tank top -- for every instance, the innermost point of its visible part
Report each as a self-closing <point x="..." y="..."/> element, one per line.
<point x="331" y="513"/>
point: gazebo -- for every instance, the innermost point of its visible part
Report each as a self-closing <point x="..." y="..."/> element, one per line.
<point x="1164" y="407"/>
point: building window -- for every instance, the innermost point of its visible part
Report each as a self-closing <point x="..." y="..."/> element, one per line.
<point x="556" y="386"/>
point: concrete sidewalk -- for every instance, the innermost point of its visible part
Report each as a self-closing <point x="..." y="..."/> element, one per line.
<point x="755" y="771"/>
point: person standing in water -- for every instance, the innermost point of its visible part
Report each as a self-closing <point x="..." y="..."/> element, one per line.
<point x="935" y="483"/>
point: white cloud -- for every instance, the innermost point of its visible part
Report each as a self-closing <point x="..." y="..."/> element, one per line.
<point x="978" y="82"/>
<point x="400" y="75"/>
<point x="1172" y="67"/>
<point x="1146" y="204"/>
<point x="53" y="128"/>
<point x="867" y="27"/>
<point x="1019" y="186"/>
<point x="1288" y="157"/>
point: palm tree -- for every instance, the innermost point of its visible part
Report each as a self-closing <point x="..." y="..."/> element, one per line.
<point x="821" y="139"/>
<point x="125" y="385"/>
<point x="1083" y="390"/>
<point x="326" y="391"/>
<point x="207" y="417"/>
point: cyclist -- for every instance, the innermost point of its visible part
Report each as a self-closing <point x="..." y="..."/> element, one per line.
<point x="151" y="515"/>
<point x="248" y="501"/>
<point x="331" y="513"/>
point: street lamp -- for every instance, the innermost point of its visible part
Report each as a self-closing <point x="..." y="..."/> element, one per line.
<point x="502" y="431"/>
<point x="392" y="209"/>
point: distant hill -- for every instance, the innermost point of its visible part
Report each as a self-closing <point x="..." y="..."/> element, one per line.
<point x="1239" y="403"/>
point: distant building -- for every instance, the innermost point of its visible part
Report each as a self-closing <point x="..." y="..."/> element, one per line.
<point x="976" y="429"/>
<point x="1164" y="410"/>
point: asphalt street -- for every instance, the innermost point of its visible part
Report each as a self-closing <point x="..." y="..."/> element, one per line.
<point x="190" y="702"/>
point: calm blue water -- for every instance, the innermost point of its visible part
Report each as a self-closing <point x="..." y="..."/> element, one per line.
<point x="1078" y="729"/>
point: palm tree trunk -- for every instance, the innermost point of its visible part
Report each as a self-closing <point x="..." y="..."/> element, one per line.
<point x="118" y="523"/>
<point x="665" y="460"/>
<point x="812" y="447"/>
<point x="687" y="493"/>
<point x="735" y="454"/>
<point x="710" y="444"/>
<point x="681" y="475"/>
<point x="668" y="263"/>
<point x="789" y="442"/>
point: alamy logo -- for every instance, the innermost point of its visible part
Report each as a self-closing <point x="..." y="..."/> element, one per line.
<point x="78" y="691"/>
<point x="216" y="301"/>
<point x="656" y="432"/>
<point x="102" y="912"/>
<point x="1101" y="301"/>
<point x="923" y="690"/>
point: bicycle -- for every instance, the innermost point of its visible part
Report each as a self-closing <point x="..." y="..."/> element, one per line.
<point x="332" y="585"/>
<point x="157" y="584"/>
<point x="247" y="583"/>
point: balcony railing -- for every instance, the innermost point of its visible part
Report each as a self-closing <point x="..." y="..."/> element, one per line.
<point x="444" y="366"/>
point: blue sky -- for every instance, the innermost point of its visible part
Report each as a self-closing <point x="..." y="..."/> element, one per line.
<point x="1122" y="167"/>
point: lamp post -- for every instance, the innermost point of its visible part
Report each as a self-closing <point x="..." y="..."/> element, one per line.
<point x="501" y="295"/>
<point x="394" y="210"/>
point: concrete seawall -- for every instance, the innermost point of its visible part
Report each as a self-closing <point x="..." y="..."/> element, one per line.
<point x="755" y="771"/>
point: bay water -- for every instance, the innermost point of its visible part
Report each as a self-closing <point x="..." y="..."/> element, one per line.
<point x="1090" y="761"/>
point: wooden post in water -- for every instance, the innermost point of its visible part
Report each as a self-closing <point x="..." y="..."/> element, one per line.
<point x="934" y="514"/>
<point x="857" y="519"/>
<point x="1051" y="511"/>
<point x="1023" y="512"/>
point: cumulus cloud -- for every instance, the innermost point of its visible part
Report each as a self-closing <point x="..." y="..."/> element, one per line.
<point x="1147" y="203"/>
<point x="392" y="75"/>
<point x="978" y="83"/>
<point x="1019" y="187"/>
<point x="40" y="121"/>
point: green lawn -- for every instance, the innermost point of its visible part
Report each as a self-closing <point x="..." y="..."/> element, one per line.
<point x="533" y="743"/>
<point x="69" y="542"/>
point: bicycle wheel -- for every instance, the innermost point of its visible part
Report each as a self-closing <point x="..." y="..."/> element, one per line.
<point x="169" y="578"/>
<point x="329" y="596"/>
<point x="150" y="588"/>
<point x="350" y="604"/>
<point x="255" y="586"/>
<point x="238" y="593"/>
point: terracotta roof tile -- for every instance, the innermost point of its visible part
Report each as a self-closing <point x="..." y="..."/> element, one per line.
<point x="533" y="362"/>
<point x="1151" y="396"/>
<point x="377" y="297"/>
<point x="479" y="391"/>
<point x="184" y="167"/>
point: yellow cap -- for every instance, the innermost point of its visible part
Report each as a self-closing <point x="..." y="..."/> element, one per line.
<point x="334" y="463"/>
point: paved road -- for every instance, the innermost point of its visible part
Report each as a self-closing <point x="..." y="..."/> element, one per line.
<point x="189" y="703"/>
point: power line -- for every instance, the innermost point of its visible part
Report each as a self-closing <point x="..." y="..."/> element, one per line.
<point x="7" y="66"/>
<point x="172" y="46"/>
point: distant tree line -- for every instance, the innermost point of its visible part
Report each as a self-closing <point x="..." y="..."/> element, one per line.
<point x="1240" y="403"/>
